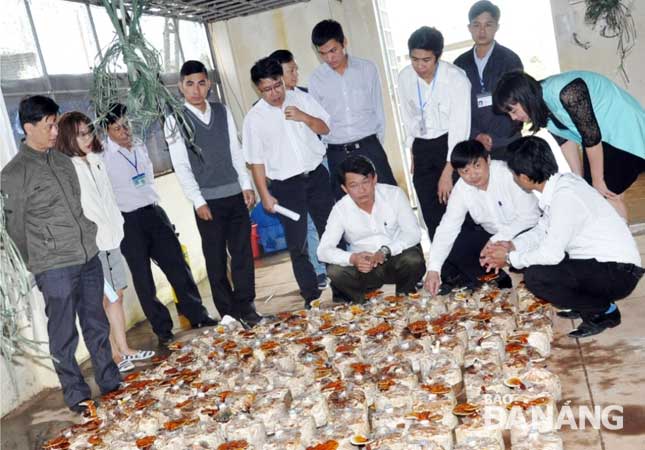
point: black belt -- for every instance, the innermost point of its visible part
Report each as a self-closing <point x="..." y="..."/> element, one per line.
<point x="350" y="146"/>
<point x="143" y="208"/>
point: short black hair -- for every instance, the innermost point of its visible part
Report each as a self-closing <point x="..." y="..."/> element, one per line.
<point x="467" y="152"/>
<point x="355" y="164"/>
<point x="520" y="87"/>
<point x="115" y="112"/>
<point x="426" y="38"/>
<point x="35" y="108"/>
<point x="481" y="7"/>
<point x="266" y="68"/>
<point x="325" y="31"/>
<point x="283" y="56"/>
<point x="191" y="67"/>
<point x="532" y="156"/>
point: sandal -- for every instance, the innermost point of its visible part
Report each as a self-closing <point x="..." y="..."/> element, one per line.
<point x="125" y="365"/>
<point x="139" y="355"/>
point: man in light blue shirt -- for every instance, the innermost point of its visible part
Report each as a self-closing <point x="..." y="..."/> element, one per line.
<point x="349" y="89"/>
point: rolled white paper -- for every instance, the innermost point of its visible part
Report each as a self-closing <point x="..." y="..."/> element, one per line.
<point x="109" y="292"/>
<point x="287" y="212"/>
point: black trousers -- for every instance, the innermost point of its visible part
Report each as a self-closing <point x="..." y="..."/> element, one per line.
<point x="229" y="230"/>
<point x="305" y="194"/>
<point x="585" y="285"/>
<point x="369" y="147"/>
<point x="150" y="235"/>
<point x="621" y="168"/>
<point x="463" y="259"/>
<point x="429" y="156"/>
<point x="68" y="292"/>
<point x="404" y="270"/>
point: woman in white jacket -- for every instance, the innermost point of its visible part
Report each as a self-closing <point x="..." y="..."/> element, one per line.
<point x="77" y="140"/>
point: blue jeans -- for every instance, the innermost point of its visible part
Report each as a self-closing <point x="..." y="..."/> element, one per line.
<point x="68" y="292"/>
<point x="312" y="246"/>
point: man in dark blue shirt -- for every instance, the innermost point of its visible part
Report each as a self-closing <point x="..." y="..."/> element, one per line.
<point x="484" y="64"/>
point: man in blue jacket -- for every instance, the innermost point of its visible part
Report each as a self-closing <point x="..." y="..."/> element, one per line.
<point x="484" y="64"/>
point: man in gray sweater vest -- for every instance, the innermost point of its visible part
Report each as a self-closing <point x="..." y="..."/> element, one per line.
<point x="58" y="244"/>
<point x="213" y="176"/>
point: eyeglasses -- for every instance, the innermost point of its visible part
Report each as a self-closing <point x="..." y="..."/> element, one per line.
<point x="275" y="87"/>
<point x="119" y="127"/>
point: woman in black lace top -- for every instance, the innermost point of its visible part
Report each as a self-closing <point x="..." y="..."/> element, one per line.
<point x="587" y="109"/>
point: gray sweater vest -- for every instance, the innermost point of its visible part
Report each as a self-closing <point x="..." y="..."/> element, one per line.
<point x="213" y="170"/>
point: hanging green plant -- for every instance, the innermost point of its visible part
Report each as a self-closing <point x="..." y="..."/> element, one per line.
<point x="615" y="20"/>
<point x="148" y="99"/>
<point x="15" y="288"/>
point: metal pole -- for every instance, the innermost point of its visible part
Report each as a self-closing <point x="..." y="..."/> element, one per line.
<point x="40" y="53"/>
<point x="96" y="36"/>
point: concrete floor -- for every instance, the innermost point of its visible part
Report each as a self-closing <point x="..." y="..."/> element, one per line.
<point x="608" y="369"/>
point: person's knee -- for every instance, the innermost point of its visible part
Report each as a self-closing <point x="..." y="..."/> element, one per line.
<point x="413" y="261"/>
<point x="535" y="279"/>
<point x="336" y="273"/>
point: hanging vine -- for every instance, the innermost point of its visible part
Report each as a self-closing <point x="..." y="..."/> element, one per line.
<point x="15" y="287"/>
<point x="614" y="19"/>
<point x="148" y="99"/>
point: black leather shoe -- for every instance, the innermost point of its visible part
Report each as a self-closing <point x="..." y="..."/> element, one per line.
<point x="568" y="314"/>
<point x="81" y="407"/>
<point x="597" y="324"/>
<point x="207" y="322"/>
<point x="251" y="319"/>
<point x="165" y="339"/>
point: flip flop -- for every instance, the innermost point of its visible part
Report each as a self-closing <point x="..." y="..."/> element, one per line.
<point x="139" y="355"/>
<point x="125" y="366"/>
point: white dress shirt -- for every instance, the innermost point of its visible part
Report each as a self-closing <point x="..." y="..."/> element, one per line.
<point x="123" y="164"/>
<point x="98" y="201"/>
<point x="445" y="101"/>
<point x="286" y="148"/>
<point x="503" y="210"/>
<point x="391" y="223"/>
<point x="578" y="221"/>
<point x="353" y="100"/>
<point x="563" y="165"/>
<point x="181" y="163"/>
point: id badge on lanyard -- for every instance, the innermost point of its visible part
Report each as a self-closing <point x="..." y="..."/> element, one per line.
<point x="139" y="179"/>
<point x="484" y="98"/>
<point x="423" y="129"/>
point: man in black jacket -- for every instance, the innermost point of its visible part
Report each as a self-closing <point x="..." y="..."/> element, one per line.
<point x="58" y="244"/>
<point x="484" y="65"/>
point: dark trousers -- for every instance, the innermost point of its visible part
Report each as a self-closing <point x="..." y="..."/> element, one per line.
<point x="150" y="235"/>
<point x="404" y="270"/>
<point x="429" y="156"/>
<point x="305" y="194"/>
<point x="230" y="229"/>
<point x="463" y="259"/>
<point x="584" y="285"/>
<point x="369" y="147"/>
<point x="68" y="292"/>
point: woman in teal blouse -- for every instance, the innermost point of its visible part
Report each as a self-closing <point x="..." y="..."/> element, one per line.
<point x="587" y="109"/>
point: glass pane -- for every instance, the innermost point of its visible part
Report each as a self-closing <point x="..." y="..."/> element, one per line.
<point x="194" y="42"/>
<point x="161" y="33"/>
<point x="65" y="36"/>
<point x="105" y="32"/>
<point x="18" y="54"/>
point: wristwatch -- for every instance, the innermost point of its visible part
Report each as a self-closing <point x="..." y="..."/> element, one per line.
<point x="386" y="251"/>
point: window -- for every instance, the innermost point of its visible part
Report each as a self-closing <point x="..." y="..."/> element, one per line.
<point x="18" y="54"/>
<point x="65" y="36"/>
<point x="194" y="42"/>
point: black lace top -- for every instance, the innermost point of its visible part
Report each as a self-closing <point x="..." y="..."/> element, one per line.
<point x="577" y="102"/>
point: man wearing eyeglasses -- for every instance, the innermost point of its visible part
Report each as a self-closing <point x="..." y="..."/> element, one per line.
<point x="280" y="143"/>
<point x="148" y="233"/>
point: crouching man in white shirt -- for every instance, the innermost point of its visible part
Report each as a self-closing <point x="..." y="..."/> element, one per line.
<point x="499" y="208"/>
<point x="581" y="256"/>
<point x="381" y="231"/>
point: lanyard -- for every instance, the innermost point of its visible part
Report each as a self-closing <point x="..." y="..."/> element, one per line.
<point x="135" y="164"/>
<point x="423" y="104"/>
